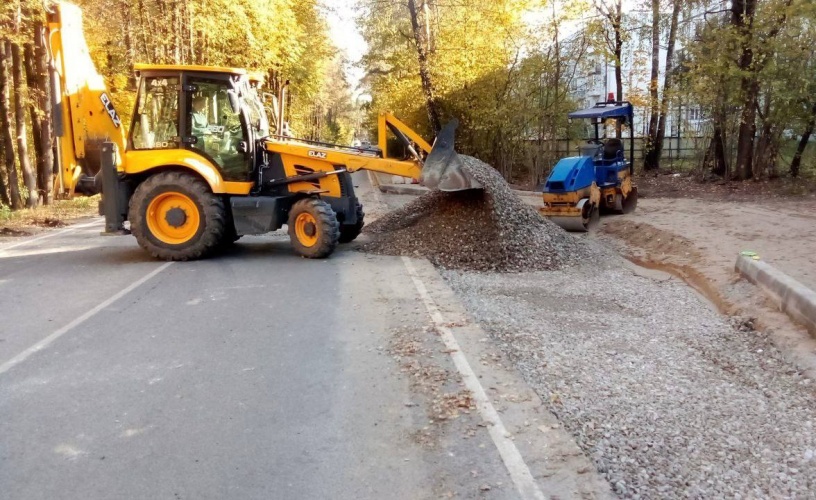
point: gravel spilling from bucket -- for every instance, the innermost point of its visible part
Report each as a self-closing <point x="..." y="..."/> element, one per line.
<point x="665" y="397"/>
<point x="486" y="230"/>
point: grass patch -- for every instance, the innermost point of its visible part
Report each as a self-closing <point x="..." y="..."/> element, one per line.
<point x="15" y="223"/>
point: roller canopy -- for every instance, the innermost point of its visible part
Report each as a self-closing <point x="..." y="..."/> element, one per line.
<point x="601" y="110"/>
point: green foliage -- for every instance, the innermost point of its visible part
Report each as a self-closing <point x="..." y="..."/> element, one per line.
<point x="5" y="213"/>
<point x="781" y="41"/>
<point x="492" y="69"/>
<point x="285" y="37"/>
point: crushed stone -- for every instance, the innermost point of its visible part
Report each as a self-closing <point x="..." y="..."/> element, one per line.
<point x="666" y="397"/>
<point x="485" y="230"/>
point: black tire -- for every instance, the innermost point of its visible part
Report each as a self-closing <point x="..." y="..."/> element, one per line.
<point x="230" y="236"/>
<point x="349" y="232"/>
<point x="211" y="214"/>
<point x="318" y="237"/>
<point x="630" y="203"/>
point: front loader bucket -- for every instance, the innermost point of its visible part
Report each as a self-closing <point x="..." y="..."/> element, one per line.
<point x="443" y="168"/>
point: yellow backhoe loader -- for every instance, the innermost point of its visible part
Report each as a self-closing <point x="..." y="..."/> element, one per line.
<point x="200" y="167"/>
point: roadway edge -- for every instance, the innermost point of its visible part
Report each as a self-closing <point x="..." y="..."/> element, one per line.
<point x="554" y="459"/>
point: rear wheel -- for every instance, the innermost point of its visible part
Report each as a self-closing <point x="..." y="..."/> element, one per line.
<point x="313" y="228"/>
<point x="174" y="216"/>
<point x="630" y="202"/>
<point x="349" y="232"/>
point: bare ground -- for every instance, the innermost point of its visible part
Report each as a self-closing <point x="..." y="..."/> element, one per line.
<point x="31" y="221"/>
<point x="699" y="240"/>
<point x="667" y="398"/>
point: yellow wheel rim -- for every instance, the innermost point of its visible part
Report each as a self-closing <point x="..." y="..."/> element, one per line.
<point x="306" y="229"/>
<point x="173" y="218"/>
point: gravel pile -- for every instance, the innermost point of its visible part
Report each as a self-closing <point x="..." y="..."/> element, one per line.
<point x="485" y="230"/>
<point x="665" y="397"/>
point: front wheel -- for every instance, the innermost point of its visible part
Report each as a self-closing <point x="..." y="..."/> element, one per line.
<point x="313" y="228"/>
<point x="174" y="216"/>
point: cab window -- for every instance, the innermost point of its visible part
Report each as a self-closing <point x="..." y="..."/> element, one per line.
<point x="217" y="127"/>
<point x="155" y="123"/>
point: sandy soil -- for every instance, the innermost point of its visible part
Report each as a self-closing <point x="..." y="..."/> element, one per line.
<point x="699" y="240"/>
<point x="783" y="233"/>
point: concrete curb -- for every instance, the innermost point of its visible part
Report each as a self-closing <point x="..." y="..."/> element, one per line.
<point x="792" y="297"/>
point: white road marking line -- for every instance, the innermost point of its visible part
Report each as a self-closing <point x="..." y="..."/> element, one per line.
<point x="65" y="329"/>
<point x="518" y="469"/>
<point x="49" y="235"/>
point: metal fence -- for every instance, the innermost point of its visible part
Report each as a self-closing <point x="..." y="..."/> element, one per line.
<point x="674" y="148"/>
<point x="679" y="153"/>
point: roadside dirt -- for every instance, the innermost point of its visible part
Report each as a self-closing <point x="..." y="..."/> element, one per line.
<point x="677" y="185"/>
<point x="32" y="221"/>
<point x="699" y="240"/>
<point x="663" y="394"/>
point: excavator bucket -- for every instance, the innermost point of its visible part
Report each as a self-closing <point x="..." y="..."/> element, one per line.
<point x="443" y="168"/>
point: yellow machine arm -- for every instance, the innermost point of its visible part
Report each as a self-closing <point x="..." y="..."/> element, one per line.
<point x="84" y="116"/>
<point x="388" y="121"/>
<point x="437" y="166"/>
<point x="354" y="159"/>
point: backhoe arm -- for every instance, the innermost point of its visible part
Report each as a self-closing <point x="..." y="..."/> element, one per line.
<point x="436" y="167"/>
<point x="387" y="122"/>
<point x="84" y="116"/>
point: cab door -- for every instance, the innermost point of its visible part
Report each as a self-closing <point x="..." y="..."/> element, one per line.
<point x="156" y="119"/>
<point x="213" y="128"/>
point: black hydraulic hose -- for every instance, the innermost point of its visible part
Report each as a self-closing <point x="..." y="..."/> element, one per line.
<point x="303" y="178"/>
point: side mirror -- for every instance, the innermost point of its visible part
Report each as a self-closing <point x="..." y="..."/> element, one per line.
<point x="233" y="100"/>
<point x="242" y="147"/>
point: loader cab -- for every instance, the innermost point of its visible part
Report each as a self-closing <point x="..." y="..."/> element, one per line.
<point x="209" y="111"/>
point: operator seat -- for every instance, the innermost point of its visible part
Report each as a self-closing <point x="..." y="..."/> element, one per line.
<point x="612" y="147"/>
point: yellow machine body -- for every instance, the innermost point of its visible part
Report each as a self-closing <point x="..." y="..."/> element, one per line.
<point x="200" y="166"/>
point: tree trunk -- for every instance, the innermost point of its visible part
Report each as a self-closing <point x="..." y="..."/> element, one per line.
<point x="424" y="69"/>
<point x="45" y="158"/>
<point x="20" y="97"/>
<point x="763" y="158"/>
<point x="177" y="32"/>
<point x="4" y="197"/>
<point x="747" y="129"/>
<point x="667" y="84"/>
<point x="33" y="106"/>
<point x="650" y="160"/>
<point x="750" y="65"/>
<point x="742" y="18"/>
<point x="715" y="155"/>
<point x="15" y="201"/>
<point x="618" y="62"/>
<point x="764" y="161"/>
<point x="803" y="142"/>
<point x="144" y="29"/>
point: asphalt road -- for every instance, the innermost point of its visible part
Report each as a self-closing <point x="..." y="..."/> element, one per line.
<point x="255" y="374"/>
